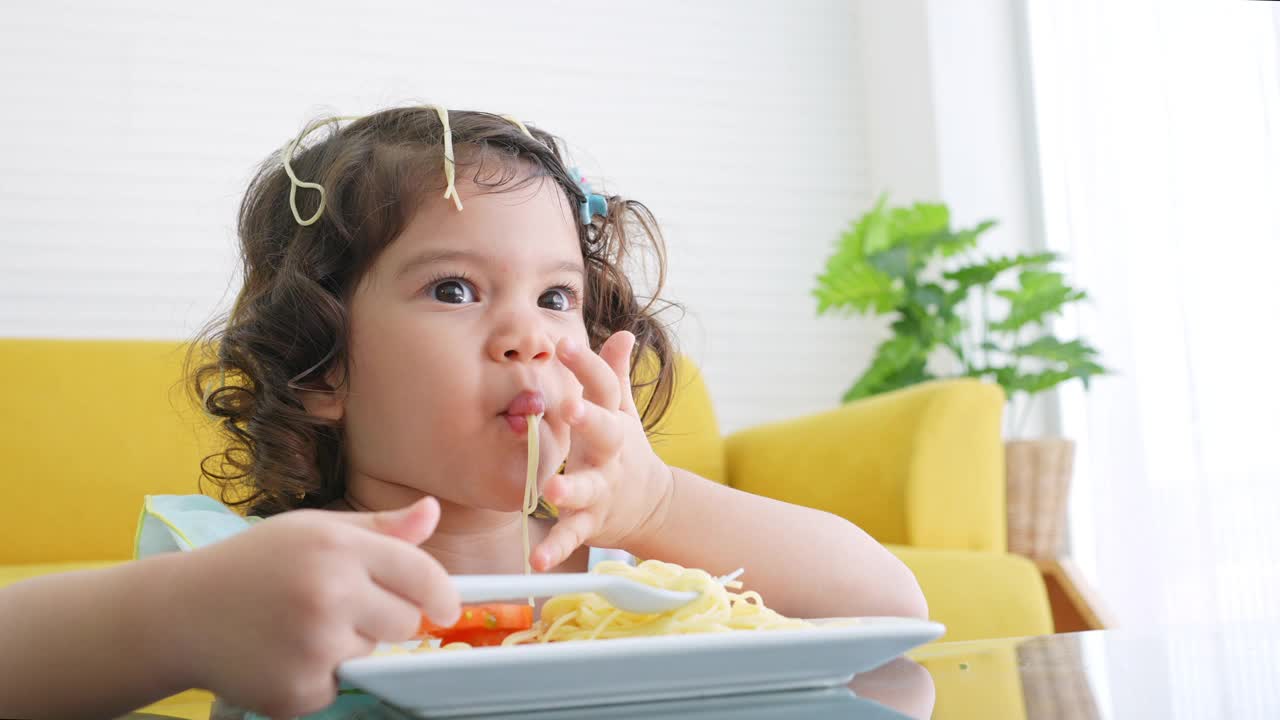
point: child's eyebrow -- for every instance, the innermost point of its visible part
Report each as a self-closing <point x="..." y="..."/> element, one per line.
<point x="432" y="257"/>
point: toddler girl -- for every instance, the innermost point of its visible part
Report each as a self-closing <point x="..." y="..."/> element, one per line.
<point x="418" y="284"/>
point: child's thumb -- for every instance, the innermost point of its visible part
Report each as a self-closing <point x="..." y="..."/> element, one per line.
<point x="412" y="523"/>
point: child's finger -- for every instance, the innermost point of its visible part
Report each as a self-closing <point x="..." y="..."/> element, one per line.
<point x="575" y="491"/>
<point x="412" y="523"/>
<point x="617" y="353"/>
<point x="597" y="433"/>
<point x="566" y="536"/>
<point x="414" y="575"/>
<point x="386" y="617"/>
<point x="314" y="685"/>
<point x="599" y="383"/>
<point x="312" y="689"/>
<point x="362" y="645"/>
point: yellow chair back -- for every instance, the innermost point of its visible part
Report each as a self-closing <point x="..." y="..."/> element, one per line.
<point x="90" y="426"/>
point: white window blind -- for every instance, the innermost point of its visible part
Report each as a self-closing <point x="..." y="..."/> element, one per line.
<point x="1160" y="143"/>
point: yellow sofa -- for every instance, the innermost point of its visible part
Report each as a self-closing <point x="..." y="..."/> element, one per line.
<point x="90" y="426"/>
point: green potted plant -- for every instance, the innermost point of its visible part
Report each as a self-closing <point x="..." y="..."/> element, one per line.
<point x="982" y="317"/>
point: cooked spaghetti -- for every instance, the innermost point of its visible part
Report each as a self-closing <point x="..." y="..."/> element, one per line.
<point x="587" y="616"/>
<point x="530" y="502"/>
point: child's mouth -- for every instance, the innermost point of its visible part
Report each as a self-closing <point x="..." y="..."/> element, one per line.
<point x="529" y="402"/>
<point x="519" y="423"/>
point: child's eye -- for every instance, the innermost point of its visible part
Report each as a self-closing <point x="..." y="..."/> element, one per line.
<point x="454" y="291"/>
<point x="561" y="298"/>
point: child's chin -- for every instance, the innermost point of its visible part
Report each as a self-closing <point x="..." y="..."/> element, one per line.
<point x="508" y="500"/>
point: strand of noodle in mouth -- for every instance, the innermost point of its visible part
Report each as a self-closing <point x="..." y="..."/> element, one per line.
<point x="530" y="502"/>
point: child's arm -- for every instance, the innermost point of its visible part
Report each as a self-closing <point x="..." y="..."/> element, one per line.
<point x="79" y="644"/>
<point x="262" y="618"/>
<point x="803" y="562"/>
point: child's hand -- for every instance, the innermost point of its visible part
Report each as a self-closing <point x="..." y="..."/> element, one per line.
<point x="613" y="484"/>
<point x="267" y="615"/>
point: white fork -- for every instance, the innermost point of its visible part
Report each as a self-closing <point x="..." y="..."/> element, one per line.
<point x="622" y="593"/>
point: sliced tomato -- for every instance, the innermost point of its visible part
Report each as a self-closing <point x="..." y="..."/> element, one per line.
<point x="508" y="617"/>
<point x="475" y="637"/>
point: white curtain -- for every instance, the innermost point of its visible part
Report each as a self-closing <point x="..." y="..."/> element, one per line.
<point x="1159" y="135"/>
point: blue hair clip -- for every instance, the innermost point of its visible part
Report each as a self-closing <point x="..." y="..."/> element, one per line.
<point x="594" y="204"/>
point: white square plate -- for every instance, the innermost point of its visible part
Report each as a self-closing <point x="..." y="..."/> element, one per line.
<point x="628" y="670"/>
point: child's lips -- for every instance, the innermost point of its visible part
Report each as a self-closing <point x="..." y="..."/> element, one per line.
<point x="518" y="423"/>
<point x="529" y="402"/>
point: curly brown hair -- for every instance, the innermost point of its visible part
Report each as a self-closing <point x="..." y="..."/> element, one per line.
<point x="289" y="326"/>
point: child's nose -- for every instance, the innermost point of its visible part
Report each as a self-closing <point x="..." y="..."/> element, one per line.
<point x="521" y="345"/>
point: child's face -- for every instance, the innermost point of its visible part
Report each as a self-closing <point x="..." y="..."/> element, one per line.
<point x="452" y="328"/>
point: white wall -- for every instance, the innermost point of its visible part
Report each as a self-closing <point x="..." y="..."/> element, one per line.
<point x="130" y="130"/>
<point x="948" y="118"/>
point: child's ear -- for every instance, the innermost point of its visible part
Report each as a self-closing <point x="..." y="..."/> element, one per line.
<point x="328" y="402"/>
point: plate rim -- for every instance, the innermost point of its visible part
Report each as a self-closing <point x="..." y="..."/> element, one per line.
<point x="398" y="663"/>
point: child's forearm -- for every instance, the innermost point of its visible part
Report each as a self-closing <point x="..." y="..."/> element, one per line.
<point x="805" y="563"/>
<point x="81" y="644"/>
